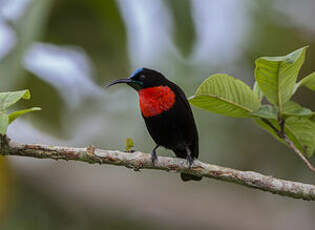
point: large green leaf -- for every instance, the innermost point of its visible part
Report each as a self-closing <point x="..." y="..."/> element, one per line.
<point x="4" y="123"/>
<point x="308" y="81"/>
<point x="226" y="95"/>
<point x="291" y="108"/>
<point x="300" y="130"/>
<point x="9" y="98"/>
<point x="276" y="76"/>
<point x="16" y="114"/>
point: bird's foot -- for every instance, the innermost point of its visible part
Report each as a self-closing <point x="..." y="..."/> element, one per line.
<point x="154" y="157"/>
<point x="153" y="154"/>
<point x="190" y="160"/>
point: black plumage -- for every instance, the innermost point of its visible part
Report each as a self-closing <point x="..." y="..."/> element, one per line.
<point x="174" y="128"/>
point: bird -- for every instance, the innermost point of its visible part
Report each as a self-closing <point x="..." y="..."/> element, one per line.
<point x="167" y="115"/>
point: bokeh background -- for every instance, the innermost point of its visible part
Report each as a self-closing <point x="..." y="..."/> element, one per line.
<point x="66" y="51"/>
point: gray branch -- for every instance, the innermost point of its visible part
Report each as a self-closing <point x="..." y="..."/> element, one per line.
<point x="139" y="160"/>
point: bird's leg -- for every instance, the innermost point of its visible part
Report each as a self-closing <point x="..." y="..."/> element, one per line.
<point x="190" y="160"/>
<point x="153" y="154"/>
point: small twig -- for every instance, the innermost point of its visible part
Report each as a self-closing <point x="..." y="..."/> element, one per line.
<point x="281" y="124"/>
<point x="281" y="134"/>
<point x="139" y="160"/>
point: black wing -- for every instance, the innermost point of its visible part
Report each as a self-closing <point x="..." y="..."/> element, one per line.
<point x="183" y="99"/>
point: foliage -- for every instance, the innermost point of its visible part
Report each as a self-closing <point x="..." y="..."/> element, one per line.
<point x="226" y="95"/>
<point x="129" y="144"/>
<point x="8" y="99"/>
<point x="276" y="81"/>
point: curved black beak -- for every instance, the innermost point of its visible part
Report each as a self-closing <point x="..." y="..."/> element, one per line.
<point x="119" y="81"/>
<point x="134" y="84"/>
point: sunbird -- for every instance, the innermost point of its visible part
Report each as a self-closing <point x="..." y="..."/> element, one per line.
<point x="167" y="115"/>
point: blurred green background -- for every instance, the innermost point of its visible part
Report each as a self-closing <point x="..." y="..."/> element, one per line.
<point x="66" y="51"/>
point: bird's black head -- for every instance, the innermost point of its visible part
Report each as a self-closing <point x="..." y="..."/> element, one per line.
<point x="142" y="78"/>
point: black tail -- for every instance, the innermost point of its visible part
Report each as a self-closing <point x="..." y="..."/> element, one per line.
<point x="188" y="177"/>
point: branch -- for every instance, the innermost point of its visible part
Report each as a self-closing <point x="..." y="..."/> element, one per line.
<point x="139" y="160"/>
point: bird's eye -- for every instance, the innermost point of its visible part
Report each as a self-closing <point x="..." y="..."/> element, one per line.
<point x="142" y="77"/>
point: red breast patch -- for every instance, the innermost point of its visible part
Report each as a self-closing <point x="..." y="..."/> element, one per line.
<point x="156" y="100"/>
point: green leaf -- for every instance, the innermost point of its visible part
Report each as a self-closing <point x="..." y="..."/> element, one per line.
<point x="291" y="108"/>
<point x="303" y="130"/>
<point x="12" y="116"/>
<point x="4" y="123"/>
<point x="258" y="91"/>
<point x="300" y="130"/>
<point x="266" y="111"/>
<point x="308" y="81"/>
<point x="9" y="98"/>
<point x="226" y="95"/>
<point x="276" y="76"/>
